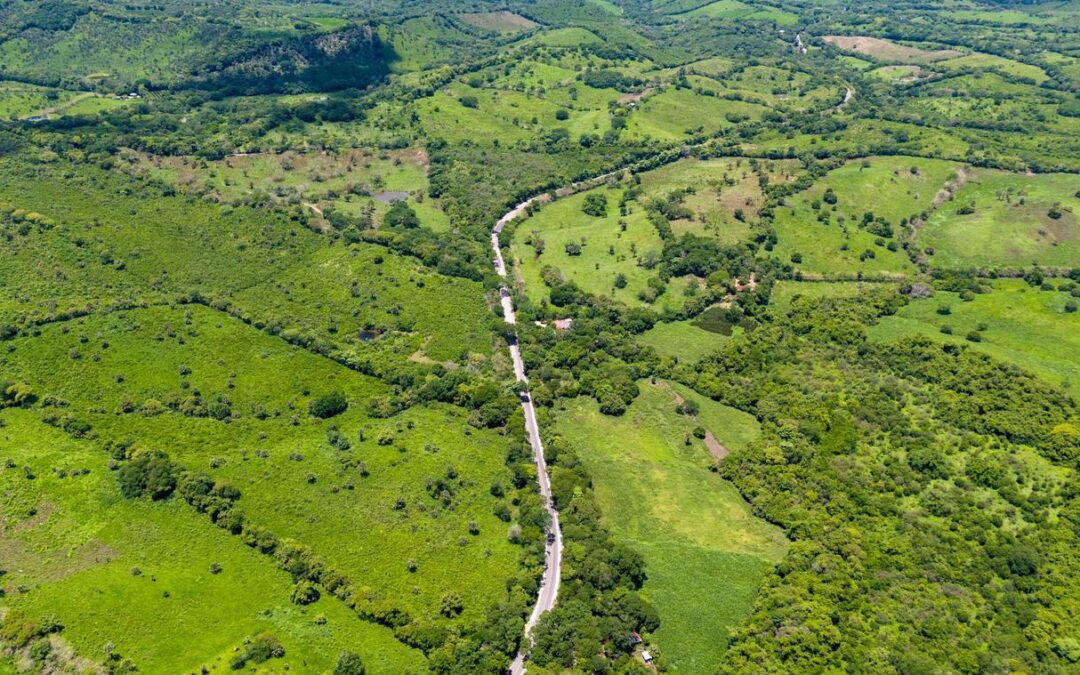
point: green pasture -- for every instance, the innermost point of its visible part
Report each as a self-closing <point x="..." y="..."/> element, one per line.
<point x="143" y="376"/>
<point x="1025" y="326"/>
<point x="705" y="552"/>
<point x="1010" y="222"/>
<point x="136" y="574"/>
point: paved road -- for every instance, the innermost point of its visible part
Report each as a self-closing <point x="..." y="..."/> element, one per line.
<point x="549" y="583"/>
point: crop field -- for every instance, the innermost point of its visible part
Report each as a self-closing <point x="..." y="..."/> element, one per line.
<point x="1015" y="323"/>
<point x="691" y="527"/>
<point x="1011" y="221"/>
<point x="137" y="575"/>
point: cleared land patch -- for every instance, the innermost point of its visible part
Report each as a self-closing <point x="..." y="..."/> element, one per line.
<point x="887" y="50"/>
<point x="502" y="21"/>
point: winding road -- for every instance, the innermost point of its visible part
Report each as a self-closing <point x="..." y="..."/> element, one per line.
<point x="549" y="583"/>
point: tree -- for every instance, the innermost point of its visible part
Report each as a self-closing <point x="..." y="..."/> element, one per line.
<point x="595" y="204"/>
<point x="150" y="475"/>
<point x="470" y="101"/>
<point x="451" y="605"/>
<point x="349" y="663"/>
<point x="401" y="215"/>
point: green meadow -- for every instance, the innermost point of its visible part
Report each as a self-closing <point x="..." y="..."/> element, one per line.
<point x="1016" y="323"/>
<point x="1011" y="221"/>
<point x="706" y="553"/>
<point x="150" y="376"/>
<point x="137" y="575"/>
<point x="895" y="189"/>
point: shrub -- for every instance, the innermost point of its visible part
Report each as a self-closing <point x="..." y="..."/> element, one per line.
<point x="470" y="101"/>
<point x="595" y="204"/>
<point x="349" y="663"/>
<point x="329" y="405"/>
<point x="151" y="475"/>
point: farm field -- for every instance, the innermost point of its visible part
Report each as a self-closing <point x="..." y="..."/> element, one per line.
<point x="686" y="522"/>
<point x="887" y="50"/>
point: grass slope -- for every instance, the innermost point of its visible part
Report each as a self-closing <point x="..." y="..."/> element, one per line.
<point x="137" y="574"/>
<point x="705" y="552"/>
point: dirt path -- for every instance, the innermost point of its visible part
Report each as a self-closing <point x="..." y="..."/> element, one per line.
<point x="946" y="193"/>
<point x="45" y="112"/>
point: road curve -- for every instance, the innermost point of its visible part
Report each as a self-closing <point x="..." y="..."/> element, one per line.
<point x="549" y="583"/>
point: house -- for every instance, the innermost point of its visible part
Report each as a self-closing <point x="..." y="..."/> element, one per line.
<point x="563" y="324"/>
<point x="635" y="638"/>
<point x="646" y="656"/>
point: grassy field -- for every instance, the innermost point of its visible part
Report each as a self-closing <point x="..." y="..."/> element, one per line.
<point x="893" y="188"/>
<point x="127" y="379"/>
<point x="719" y="187"/>
<point x="682" y="340"/>
<point x="137" y="574"/>
<point x="705" y="552"/>
<point x="1010" y="223"/>
<point x="354" y="181"/>
<point x="608" y="250"/>
<point x="673" y="114"/>
<point x="1023" y="325"/>
<point x="785" y="291"/>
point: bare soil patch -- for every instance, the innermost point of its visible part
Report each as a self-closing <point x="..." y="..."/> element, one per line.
<point x="887" y="50"/>
<point x="503" y="21"/>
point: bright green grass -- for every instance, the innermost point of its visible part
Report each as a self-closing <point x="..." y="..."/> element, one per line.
<point x="595" y="269"/>
<point x="990" y="61"/>
<point x="884" y="186"/>
<point x="78" y="552"/>
<point x="705" y="552"/>
<point x="565" y="37"/>
<point x="733" y="9"/>
<point x="1025" y="326"/>
<point x="1002" y="230"/>
<point x="786" y="291"/>
<point x="410" y="308"/>
<point x="358" y="531"/>
<point x="682" y="340"/>
<point x="670" y="114"/>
